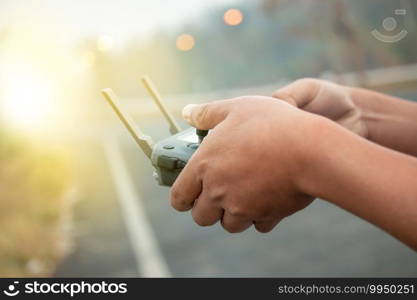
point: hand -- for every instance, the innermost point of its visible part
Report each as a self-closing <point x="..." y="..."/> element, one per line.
<point x="264" y="160"/>
<point x="327" y="99"/>
<point x="249" y="169"/>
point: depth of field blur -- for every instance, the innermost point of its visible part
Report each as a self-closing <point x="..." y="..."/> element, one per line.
<point x="58" y="209"/>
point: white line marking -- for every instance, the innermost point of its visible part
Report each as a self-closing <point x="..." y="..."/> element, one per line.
<point x="149" y="259"/>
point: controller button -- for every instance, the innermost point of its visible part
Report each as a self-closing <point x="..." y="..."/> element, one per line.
<point x="193" y="146"/>
<point x="168" y="147"/>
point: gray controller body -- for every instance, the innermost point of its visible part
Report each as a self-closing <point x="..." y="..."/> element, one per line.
<point x="170" y="155"/>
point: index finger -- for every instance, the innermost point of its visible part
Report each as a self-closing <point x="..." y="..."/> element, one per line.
<point x="186" y="188"/>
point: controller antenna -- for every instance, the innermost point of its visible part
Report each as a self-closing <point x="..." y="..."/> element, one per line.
<point x="150" y="87"/>
<point x="145" y="142"/>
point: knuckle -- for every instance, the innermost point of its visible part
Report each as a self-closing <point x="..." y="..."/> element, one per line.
<point x="232" y="229"/>
<point x="202" y="165"/>
<point x="217" y="193"/>
<point x="266" y="226"/>
<point x="263" y="229"/>
<point x="180" y="205"/>
<point x="177" y="201"/>
<point x="174" y="193"/>
<point x="200" y="220"/>
<point x="237" y="211"/>
<point x="312" y="84"/>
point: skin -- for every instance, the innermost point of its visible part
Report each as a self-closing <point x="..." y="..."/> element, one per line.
<point x="358" y="166"/>
<point x="383" y="119"/>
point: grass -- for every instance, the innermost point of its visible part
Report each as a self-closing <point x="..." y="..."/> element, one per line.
<point x="35" y="208"/>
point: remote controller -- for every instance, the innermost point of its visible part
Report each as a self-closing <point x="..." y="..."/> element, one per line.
<point x="170" y="155"/>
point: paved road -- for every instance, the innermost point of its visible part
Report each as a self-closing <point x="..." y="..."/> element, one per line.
<point x="322" y="240"/>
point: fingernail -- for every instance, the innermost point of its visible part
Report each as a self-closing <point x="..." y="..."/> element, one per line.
<point x="186" y="112"/>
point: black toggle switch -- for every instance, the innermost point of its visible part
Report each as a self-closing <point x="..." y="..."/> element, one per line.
<point x="201" y="134"/>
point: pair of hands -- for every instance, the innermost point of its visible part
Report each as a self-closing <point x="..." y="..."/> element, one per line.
<point x="253" y="166"/>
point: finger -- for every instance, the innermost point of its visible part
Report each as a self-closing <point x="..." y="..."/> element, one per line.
<point x="300" y="92"/>
<point x="235" y="224"/>
<point x="266" y="226"/>
<point x="207" y="115"/>
<point x="206" y="212"/>
<point x="186" y="188"/>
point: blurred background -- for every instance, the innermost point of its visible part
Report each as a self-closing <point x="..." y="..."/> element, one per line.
<point x="77" y="196"/>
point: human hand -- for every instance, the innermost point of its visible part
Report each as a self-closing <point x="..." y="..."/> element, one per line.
<point x="327" y="99"/>
<point x="249" y="169"/>
<point x="265" y="159"/>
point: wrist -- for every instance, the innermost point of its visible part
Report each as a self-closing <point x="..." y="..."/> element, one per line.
<point x="375" y="110"/>
<point x="390" y="121"/>
<point x="315" y="155"/>
<point x="364" y="111"/>
<point x="329" y="161"/>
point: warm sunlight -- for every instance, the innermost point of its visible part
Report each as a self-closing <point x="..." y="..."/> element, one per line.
<point x="105" y="43"/>
<point x="28" y="95"/>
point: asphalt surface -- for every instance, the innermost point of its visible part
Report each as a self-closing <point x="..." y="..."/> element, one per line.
<point x="322" y="240"/>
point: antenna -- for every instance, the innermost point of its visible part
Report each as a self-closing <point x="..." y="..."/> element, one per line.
<point x="145" y="142"/>
<point x="150" y="87"/>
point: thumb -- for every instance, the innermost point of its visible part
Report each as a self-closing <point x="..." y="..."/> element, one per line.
<point x="206" y="116"/>
<point x="299" y="93"/>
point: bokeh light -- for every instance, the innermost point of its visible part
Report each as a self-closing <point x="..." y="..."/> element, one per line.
<point x="185" y="42"/>
<point x="233" y="17"/>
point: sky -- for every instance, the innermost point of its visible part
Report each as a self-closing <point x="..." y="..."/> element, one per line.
<point x="38" y="39"/>
<point x="120" y="19"/>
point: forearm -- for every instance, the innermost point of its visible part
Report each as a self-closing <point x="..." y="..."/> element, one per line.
<point x="390" y="121"/>
<point x="372" y="182"/>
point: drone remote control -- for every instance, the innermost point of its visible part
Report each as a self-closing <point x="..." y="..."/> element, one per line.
<point x="170" y="155"/>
